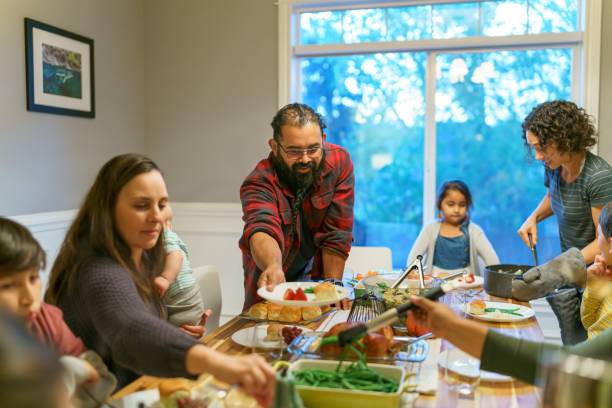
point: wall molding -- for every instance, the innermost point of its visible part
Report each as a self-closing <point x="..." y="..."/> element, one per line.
<point x="47" y="221"/>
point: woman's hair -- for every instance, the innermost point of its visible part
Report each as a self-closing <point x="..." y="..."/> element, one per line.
<point x="456" y="185"/>
<point x="561" y="124"/>
<point x="605" y="220"/>
<point x="94" y="233"/>
<point x="19" y="251"/>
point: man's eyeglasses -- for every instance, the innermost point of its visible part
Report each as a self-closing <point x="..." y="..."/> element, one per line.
<point x="297" y="153"/>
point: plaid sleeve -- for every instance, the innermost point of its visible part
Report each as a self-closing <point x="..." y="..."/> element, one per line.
<point x="336" y="233"/>
<point x="260" y="212"/>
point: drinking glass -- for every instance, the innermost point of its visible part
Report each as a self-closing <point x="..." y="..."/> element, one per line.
<point x="462" y="372"/>
<point x="270" y="350"/>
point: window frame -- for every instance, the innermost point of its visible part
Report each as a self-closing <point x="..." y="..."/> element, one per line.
<point x="585" y="43"/>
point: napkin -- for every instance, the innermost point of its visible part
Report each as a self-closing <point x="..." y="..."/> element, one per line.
<point x="428" y="376"/>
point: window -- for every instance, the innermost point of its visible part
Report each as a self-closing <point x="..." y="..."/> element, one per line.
<point x="422" y="93"/>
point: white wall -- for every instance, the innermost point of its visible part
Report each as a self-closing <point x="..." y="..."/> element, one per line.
<point x="211" y="92"/>
<point x="47" y="161"/>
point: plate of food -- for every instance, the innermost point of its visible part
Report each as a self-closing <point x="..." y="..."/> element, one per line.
<point x="304" y="293"/>
<point x="469" y="282"/>
<point x="268" y="336"/>
<point x="487" y="376"/>
<point x="272" y="312"/>
<point x="497" y="311"/>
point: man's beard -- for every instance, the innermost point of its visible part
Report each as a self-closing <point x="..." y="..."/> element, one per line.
<point x="292" y="178"/>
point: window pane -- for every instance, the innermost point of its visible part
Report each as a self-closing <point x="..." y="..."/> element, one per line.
<point x="504" y="18"/>
<point x="455" y="20"/>
<point x="553" y="16"/>
<point x="440" y="21"/>
<point x="409" y="23"/>
<point x="374" y="106"/>
<point x="321" y="28"/>
<point x="481" y="101"/>
<point x="364" y="26"/>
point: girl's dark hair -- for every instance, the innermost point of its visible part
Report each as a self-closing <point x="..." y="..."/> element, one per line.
<point x="456" y="185"/>
<point x="561" y="124"/>
<point x="94" y="233"/>
<point x="295" y="114"/>
<point x="19" y="251"/>
<point x="605" y="220"/>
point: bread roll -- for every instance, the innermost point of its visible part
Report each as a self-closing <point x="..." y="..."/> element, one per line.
<point x="290" y="314"/>
<point x="325" y="291"/>
<point x="310" y="312"/>
<point x="477" y="307"/>
<point x="274" y="311"/>
<point x="273" y="332"/>
<point x="259" y="310"/>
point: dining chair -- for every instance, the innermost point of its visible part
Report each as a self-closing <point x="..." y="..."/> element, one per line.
<point x="362" y="259"/>
<point x="207" y="277"/>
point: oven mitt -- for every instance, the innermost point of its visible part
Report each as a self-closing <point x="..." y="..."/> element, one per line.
<point x="566" y="269"/>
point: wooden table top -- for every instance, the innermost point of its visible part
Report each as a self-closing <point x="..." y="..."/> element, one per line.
<point x="503" y="394"/>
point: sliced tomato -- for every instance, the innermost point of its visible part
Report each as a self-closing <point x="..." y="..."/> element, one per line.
<point x="470" y="278"/>
<point x="289" y="294"/>
<point x="300" y="295"/>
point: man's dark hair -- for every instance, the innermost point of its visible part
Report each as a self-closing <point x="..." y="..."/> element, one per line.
<point x="19" y="251"/>
<point x="561" y="124"/>
<point x="605" y="220"/>
<point x="295" y="114"/>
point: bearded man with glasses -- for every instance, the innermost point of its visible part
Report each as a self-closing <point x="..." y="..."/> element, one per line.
<point x="297" y="206"/>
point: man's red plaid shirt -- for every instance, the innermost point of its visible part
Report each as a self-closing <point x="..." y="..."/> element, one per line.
<point x="327" y="210"/>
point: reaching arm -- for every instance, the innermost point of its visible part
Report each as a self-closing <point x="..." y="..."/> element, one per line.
<point x="268" y="257"/>
<point x="172" y="266"/>
<point x="542" y="211"/>
<point x="333" y="264"/>
<point x="592" y="249"/>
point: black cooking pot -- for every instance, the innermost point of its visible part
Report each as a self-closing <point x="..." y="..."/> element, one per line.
<point x="498" y="278"/>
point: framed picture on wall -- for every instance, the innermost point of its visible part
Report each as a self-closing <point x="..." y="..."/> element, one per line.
<point x="59" y="71"/>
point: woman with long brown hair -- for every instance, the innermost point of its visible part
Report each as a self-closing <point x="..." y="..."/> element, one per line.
<point x="103" y="278"/>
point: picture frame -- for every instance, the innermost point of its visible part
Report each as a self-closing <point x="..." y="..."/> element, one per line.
<point x="59" y="71"/>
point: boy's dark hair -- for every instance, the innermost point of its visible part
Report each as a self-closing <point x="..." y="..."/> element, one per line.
<point x="605" y="220"/>
<point x="561" y="124"/>
<point x="456" y="185"/>
<point x="295" y="114"/>
<point x="19" y="251"/>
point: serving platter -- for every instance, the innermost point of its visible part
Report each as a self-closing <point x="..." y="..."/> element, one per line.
<point x="277" y="294"/>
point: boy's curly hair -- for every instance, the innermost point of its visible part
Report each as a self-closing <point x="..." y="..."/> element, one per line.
<point x="561" y="124"/>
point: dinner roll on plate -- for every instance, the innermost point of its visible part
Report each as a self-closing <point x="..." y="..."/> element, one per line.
<point x="310" y="312"/>
<point x="259" y="310"/>
<point x="291" y="314"/>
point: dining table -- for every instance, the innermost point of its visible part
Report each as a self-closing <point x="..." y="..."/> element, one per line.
<point x="513" y="393"/>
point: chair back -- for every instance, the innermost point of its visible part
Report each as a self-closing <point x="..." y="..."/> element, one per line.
<point x="207" y="277"/>
<point x="362" y="259"/>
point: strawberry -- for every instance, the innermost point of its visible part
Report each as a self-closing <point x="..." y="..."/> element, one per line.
<point x="300" y="295"/>
<point x="289" y="294"/>
<point x="470" y="278"/>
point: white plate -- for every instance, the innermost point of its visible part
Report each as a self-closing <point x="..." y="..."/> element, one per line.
<point x="276" y="295"/>
<point x="460" y="283"/>
<point x="373" y="281"/>
<point x="484" y="375"/>
<point x="245" y="337"/>
<point x="525" y="312"/>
